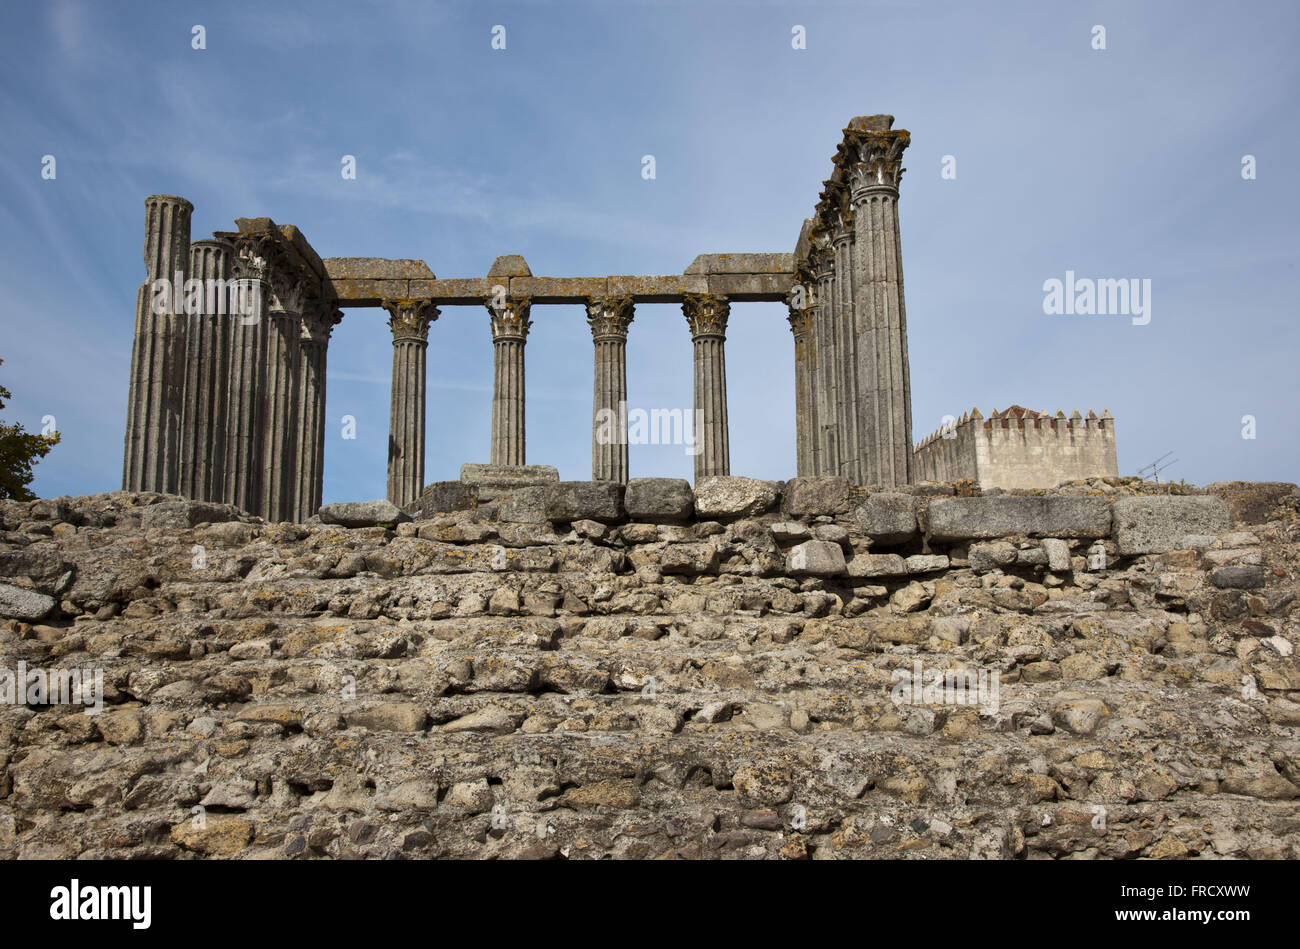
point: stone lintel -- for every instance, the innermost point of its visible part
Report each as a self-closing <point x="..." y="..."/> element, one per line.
<point x="353" y="289"/>
<point x="742" y="264"/>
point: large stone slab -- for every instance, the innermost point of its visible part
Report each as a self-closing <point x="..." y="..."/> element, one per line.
<point x="180" y="515"/>
<point x="493" y="481"/>
<point x="659" y="500"/>
<point x="728" y="496"/>
<point x="1155" y="525"/>
<point x="567" y="501"/>
<point x="443" y="497"/>
<point x="953" y="519"/>
<point x="28" y="605"/>
<point x="362" y="513"/>
<point x="888" y="518"/>
<point x="813" y="497"/>
<point x="1251" y="502"/>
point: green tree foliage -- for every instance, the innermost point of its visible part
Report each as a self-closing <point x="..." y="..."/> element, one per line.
<point x="18" y="452"/>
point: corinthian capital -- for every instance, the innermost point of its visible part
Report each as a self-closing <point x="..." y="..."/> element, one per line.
<point x="609" y="316"/>
<point x="706" y="314"/>
<point x="318" y="321"/>
<point x="510" y="318"/>
<point x="410" y="319"/>
<point x="875" y="158"/>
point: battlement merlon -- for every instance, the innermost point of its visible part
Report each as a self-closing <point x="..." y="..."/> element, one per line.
<point x="742" y="278"/>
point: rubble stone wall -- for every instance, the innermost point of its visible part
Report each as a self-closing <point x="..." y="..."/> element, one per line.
<point x="744" y="669"/>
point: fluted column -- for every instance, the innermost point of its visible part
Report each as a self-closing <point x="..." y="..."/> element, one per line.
<point x="317" y="325"/>
<point x="280" y="429"/>
<point x="846" y="393"/>
<point x="245" y="405"/>
<point x="207" y="369"/>
<point x="706" y="315"/>
<point x="824" y="379"/>
<point x="805" y="415"/>
<point x="609" y="318"/>
<point x="151" y="455"/>
<point x="409" y="321"/>
<point x="510" y="325"/>
<point x="883" y="374"/>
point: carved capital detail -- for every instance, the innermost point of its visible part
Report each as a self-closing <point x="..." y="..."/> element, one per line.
<point x="410" y="319"/>
<point x="318" y="321"/>
<point x="510" y="318"/>
<point x="876" y="161"/>
<point x="800" y="321"/>
<point x="609" y="316"/>
<point x="706" y="314"/>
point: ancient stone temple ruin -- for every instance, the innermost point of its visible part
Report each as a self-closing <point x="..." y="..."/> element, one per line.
<point x="227" y="388"/>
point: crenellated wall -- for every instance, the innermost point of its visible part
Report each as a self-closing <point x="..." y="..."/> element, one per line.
<point x="1020" y="448"/>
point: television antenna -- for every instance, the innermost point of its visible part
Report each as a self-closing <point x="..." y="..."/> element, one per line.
<point x="1156" y="467"/>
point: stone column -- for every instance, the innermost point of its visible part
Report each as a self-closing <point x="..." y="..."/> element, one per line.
<point x="280" y="430"/>
<point x="609" y="318"/>
<point x="846" y="390"/>
<point x="826" y="445"/>
<point x="151" y="455"/>
<point x="318" y="323"/>
<point x="883" y="373"/>
<point x="245" y="405"/>
<point x="409" y="321"/>
<point x="207" y="369"/>
<point x="805" y="414"/>
<point x="510" y="325"/>
<point x="706" y="315"/>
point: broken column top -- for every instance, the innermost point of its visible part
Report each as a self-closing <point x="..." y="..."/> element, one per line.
<point x="871" y="123"/>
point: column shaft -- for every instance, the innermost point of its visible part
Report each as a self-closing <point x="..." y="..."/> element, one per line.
<point x="280" y="432"/>
<point x="409" y="321"/>
<point x="609" y="319"/>
<point x="246" y="406"/>
<point x="207" y="366"/>
<point x="707" y="315"/>
<point x="510" y="326"/>
<point x="151" y="455"/>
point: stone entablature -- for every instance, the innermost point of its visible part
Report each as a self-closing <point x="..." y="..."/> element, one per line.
<point x="1020" y="448"/>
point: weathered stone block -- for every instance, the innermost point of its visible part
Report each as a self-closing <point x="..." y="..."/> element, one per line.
<point x="877" y="565"/>
<point x="816" y="558"/>
<point x="659" y="500"/>
<point x="443" y="497"/>
<point x="986" y="557"/>
<point x="953" y="519"/>
<point x="363" y="513"/>
<point x="1058" y="554"/>
<point x="888" y="518"/>
<point x="1155" y="525"/>
<point x="494" y="481"/>
<point x="28" y="605"/>
<point x="689" y="559"/>
<point x="584" y="500"/>
<point x="926" y="563"/>
<point x="1251" y="502"/>
<point x="1238" y="578"/>
<point x="181" y="515"/>
<point x="814" y="497"/>
<point x="729" y="496"/>
<point x="523" y="506"/>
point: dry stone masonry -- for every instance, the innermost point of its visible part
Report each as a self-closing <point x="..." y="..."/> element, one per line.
<point x="742" y="669"/>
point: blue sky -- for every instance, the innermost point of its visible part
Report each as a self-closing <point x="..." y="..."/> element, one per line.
<point x="1123" y="162"/>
